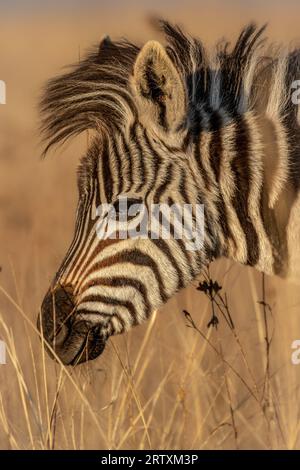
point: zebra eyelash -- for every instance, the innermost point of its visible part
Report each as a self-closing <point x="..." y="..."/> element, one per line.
<point x="117" y="205"/>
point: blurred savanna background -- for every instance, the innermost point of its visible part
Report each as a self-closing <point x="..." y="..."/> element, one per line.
<point x="173" y="383"/>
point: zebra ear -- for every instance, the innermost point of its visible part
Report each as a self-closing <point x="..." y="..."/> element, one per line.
<point x="158" y="87"/>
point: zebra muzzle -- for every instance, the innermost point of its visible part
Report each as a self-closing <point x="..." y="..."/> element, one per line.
<point x="66" y="335"/>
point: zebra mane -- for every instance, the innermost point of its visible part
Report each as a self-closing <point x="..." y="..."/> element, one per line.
<point x="96" y="94"/>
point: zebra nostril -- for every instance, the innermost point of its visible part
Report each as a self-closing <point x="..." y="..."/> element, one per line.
<point x="56" y="314"/>
<point x="60" y="335"/>
<point x="63" y="298"/>
<point x="92" y="346"/>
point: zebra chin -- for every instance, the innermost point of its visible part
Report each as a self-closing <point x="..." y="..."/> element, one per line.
<point x="68" y="337"/>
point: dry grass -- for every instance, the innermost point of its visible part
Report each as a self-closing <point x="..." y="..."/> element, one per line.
<point x="172" y="383"/>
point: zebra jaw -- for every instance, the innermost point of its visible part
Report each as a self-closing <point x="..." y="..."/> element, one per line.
<point x="67" y="336"/>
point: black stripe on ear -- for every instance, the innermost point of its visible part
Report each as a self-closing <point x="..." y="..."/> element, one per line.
<point x="154" y="91"/>
<point x="159" y="88"/>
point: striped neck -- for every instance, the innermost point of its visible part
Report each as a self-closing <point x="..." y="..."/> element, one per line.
<point x="242" y="172"/>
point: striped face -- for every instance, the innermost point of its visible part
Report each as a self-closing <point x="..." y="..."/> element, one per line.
<point x="109" y="282"/>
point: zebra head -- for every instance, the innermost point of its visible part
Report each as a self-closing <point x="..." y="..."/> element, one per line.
<point x="109" y="282"/>
<point x="170" y="130"/>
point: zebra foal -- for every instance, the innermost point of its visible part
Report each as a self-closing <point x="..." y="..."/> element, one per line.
<point x="172" y="126"/>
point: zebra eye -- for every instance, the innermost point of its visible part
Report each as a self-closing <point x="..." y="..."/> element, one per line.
<point x="121" y="206"/>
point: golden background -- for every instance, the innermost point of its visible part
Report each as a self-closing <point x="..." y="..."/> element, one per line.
<point x="163" y="385"/>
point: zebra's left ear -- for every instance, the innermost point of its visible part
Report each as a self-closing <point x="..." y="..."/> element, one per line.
<point x="158" y="87"/>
